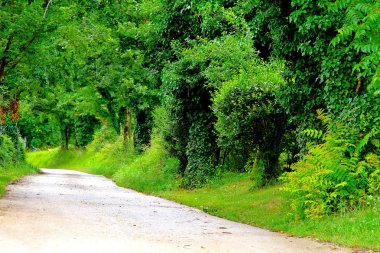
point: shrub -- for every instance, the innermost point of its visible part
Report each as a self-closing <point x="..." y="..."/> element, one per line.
<point x="337" y="175"/>
<point x="85" y="127"/>
<point x="150" y="171"/>
<point x="188" y="86"/>
<point x="101" y="138"/>
<point x="250" y="119"/>
<point x="7" y="150"/>
<point x="11" y="130"/>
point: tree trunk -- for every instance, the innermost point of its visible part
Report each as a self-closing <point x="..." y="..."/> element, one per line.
<point x="65" y="136"/>
<point x="128" y="126"/>
<point x="11" y="109"/>
<point x="143" y="129"/>
<point x="14" y="109"/>
<point x="2" y="115"/>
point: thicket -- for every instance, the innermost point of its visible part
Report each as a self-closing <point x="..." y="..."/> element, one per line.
<point x="339" y="173"/>
<point x="237" y="83"/>
<point x="11" y="137"/>
<point x="250" y="120"/>
<point x="12" y="156"/>
<point x="7" y="150"/>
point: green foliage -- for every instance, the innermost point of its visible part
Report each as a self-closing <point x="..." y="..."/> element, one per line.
<point x="249" y="116"/>
<point x="320" y="59"/>
<point x="39" y="130"/>
<point x="7" y="150"/>
<point x="337" y="175"/>
<point x="313" y="133"/>
<point x="82" y="65"/>
<point x="152" y="171"/>
<point x="189" y="84"/>
<point x="257" y="170"/>
<point x="85" y="127"/>
<point x="361" y="32"/>
<point x="21" y="23"/>
<point x="212" y="69"/>
<point x="201" y="150"/>
<point x="101" y="138"/>
<point x="11" y="130"/>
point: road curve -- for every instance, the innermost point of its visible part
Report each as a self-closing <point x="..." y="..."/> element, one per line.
<point x="69" y="211"/>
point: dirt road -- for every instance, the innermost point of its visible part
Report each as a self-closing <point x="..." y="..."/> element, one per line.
<point x="68" y="211"/>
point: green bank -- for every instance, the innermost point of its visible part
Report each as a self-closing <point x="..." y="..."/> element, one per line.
<point x="11" y="172"/>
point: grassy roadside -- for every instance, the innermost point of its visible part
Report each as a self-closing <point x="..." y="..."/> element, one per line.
<point x="268" y="208"/>
<point x="10" y="173"/>
<point x="228" y="196"/>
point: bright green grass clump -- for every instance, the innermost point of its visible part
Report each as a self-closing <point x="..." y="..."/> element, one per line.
<point x="11" y="172"/>
<point x="151" y="171"/>
<point x="229" y="195"/>
<point x="104" y="160"/>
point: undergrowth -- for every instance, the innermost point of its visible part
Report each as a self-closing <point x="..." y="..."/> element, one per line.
<point x="337" y="175"/>
<point x="12" y="165"/>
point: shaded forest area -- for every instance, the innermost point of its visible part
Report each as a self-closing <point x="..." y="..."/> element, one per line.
<point x="282" y="90"/>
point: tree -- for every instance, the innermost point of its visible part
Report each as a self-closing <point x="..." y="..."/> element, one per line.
<point x="22" y="22"/>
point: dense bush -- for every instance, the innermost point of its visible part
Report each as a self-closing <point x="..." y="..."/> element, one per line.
<point x="251" y="122"/>
<point x="189" y="85"/>
<point x="11" y="130"/>
<point x="85" y="127"/>
<point x="103" y="137"/>
<point x="337" y="175"/>
<point x="39" y="130"/>
<point x="7" y="150"/>
<point x="151" y="171"/>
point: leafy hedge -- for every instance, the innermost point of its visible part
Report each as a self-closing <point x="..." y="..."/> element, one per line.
<point x="250" y="120"/>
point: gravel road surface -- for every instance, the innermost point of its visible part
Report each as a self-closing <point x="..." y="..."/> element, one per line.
<point x="69" y="211"/>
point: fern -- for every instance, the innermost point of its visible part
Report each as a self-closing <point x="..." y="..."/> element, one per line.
<point x="319" y="134"/>
<point x="313" y="133"/>
<point x="363" y="142"/>
<point x="337" y="174"/>
<point x="362" y="21"/>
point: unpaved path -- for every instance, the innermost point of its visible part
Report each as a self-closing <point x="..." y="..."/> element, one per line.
<point x="69" y="211"/>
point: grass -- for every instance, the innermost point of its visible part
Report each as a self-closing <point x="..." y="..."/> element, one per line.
<point x="12" y="172"/>
<point x="104" y="160"/>
<point x="228" y="196"/>
<point x="268" y="208"/>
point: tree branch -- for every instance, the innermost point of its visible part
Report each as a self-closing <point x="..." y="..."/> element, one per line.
<point x="3" y="61"/>
<point x="25" y="46"/>
<point x="46" y="9"/>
